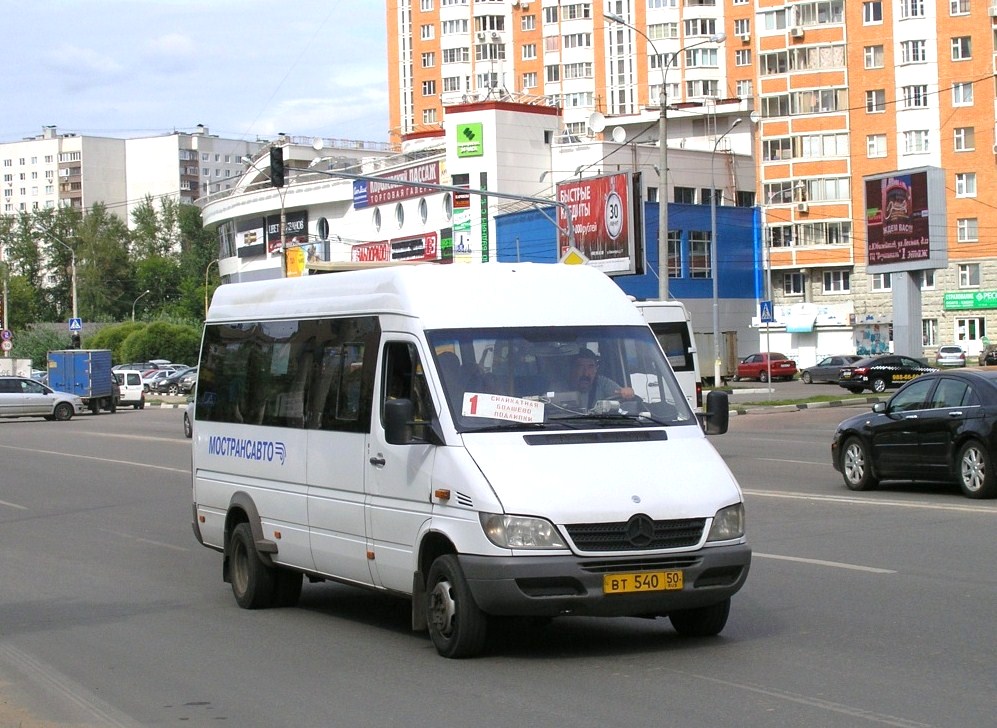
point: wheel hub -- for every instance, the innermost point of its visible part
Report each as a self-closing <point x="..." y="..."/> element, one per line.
<point x="442" y="608"/>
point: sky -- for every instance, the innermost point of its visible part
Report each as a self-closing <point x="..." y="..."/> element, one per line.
<point x="246" y="69"/>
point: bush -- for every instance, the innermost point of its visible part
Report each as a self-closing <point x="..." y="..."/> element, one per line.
<point x="161" y="340"/>
<point x="36" y="342"/>
<point x="113" y="338"/>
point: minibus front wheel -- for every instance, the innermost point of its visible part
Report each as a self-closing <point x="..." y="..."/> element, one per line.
<point x="252" y="580"/>
<point x="456" y="625"/>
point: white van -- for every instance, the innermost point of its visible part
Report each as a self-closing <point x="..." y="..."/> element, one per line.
<point x="672" y="326"/>
<point x="424" y="431"/>
<point x="132" y="391"/>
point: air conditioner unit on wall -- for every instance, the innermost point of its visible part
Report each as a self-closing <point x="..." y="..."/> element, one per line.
<point x="796" y="32"/>
<point x="495" y="36"/>
<point x="745" y="37"/>
<point x="481" y="35"/>
<point x="802" y="207"/>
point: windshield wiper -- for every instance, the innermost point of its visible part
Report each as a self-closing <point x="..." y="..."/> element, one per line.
<point x="506" y="427"/>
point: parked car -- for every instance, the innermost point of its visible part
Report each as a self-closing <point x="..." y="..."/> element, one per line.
<point x="188" y="419"/>
<point x="950" y="355"/>
<point x="758" y="366"/>
<point x="169" y="384"/>
<point x="130" y="389"/>
<point x="989" y="355"/>
<point x="882" y="372"/>
<point x="941" y="427"/>
<point x="26" y="397"/>
<point x="828" y="369"/>
<point x="150" y="377"/>
<point x="142" y="366"/>
<point x="188" y="381"/>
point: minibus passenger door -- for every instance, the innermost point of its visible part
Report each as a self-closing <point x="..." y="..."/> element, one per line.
<point x="399" y="476"/>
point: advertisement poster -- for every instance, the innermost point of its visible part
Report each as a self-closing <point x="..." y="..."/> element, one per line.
<point x="601" y="211"/>
<point x="897" y="218"/>
<point x="396" y="186"/>
<point x="296" y="230"/>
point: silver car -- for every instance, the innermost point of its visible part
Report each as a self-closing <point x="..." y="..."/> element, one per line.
<point x="950" y="355"/>
<point x="24" y="397"/>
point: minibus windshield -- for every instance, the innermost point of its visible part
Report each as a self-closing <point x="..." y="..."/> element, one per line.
<point x="557" y="376"/>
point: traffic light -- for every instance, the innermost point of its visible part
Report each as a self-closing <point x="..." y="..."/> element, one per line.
<point x="277" y="166"/>
<point x="75" y="341"/>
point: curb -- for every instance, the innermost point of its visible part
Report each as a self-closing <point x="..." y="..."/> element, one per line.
<point x="762" y="409"/>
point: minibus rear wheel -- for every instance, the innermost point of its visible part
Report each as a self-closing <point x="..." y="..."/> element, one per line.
<point x="456" y="625"/>
<point x="252" y="580"/>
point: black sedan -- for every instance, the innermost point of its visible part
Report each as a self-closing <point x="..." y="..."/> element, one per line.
<point x="882" y="372"/>
<point x="828" y="369"/>
<point x="170" y="384"/>
<point x="942" y="427"/>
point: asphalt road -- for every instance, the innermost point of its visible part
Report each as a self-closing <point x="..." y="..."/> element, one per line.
<point x="861" y="608"/>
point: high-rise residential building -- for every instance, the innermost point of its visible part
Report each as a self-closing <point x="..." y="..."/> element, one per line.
<point x="65" y="169"/>
<point x="839" y="91"/>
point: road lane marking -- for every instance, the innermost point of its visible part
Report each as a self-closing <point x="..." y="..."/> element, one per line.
<point x="99" y="460"/>
<point x="872" y="501"/>
<point x="174" y="547"/>
<point x="13" y="505"/>
<point x="822" y="562"/>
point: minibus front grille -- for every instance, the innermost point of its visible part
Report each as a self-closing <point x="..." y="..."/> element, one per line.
<point x="648" y="563"/>
<point x="674" y="534"/>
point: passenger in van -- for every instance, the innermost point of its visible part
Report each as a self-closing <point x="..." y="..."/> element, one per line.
<point x="591" y="386"/>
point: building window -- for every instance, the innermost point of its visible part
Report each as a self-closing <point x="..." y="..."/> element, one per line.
<point x="928" y="280"/>
<point x="872" y="12"/>
<point x="969" y="275"/>
<point x="913" y="51"/>
<point x="967" y="230"/>
<point x="744" y="89"/>
<point x="836" y="281"/>
<point x="699" y="255"/>
<point x="429" y="116"/>
<point x="428" y="60"/>
<point x="429" y="88"/>
<point x="742" y="57"/>
<point x="875" y="101"/>
<point x="915" y="97"/>
<point x="528" y="22"/>
<point x="742" y="26"/>
<point x="552" y="74"/>
<point x="792" y="284"/>
<point x="970" y="329"/>
<point x="529" y="80"/>
<point x="427" y="32"/>
<point x="958" y="7"/>
<point x="962" y="94"/>
<point x="875" y="146"/>
<point x="964" y="138"/>
<point x="929" y="332"/>
<point x="451" y="83"/>
<point x="965" y="184"/>
<point x="911" y="9"/>
<point x="674" y="254"/>
<point x="874" y="56"/>
<point x="962" y="48"/>
<point x="685" y="195"/>
<point x="881" y="282"/>
<point x="916" y="142"/>
<point x="529" y="51"/>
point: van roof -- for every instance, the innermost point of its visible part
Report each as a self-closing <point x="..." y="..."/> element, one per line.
<point x="441" y="296"/>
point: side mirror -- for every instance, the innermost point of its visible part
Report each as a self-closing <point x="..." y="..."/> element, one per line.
<point x="398" y="415"/>
<point x="879" y="407"/>
<point x="716" y="419"/>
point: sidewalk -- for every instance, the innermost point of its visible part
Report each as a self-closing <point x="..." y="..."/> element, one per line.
<point x="748" y="397"/>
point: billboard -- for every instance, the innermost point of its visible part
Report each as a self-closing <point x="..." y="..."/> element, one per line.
<point x="295" y="232"/>
<point x="368" y="193"/>
<point x="905" y="220"/>
<point x="413" y="247"/>
<point x="603" y="211"/>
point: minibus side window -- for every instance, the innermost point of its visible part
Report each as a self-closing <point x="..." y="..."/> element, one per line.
<point x="404" y="378"/>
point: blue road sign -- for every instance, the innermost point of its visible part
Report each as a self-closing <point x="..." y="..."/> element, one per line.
<point x="6" y="335"/>
<point x="766" y="312"/>
<point x="76" y="324"/>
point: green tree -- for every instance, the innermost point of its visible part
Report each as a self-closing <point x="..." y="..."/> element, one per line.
<point x="105" y="274"/>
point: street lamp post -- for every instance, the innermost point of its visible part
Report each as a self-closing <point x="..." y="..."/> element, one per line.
<point x="665" y="64"/>
<point x="143" y="293"/>
<point x="72" y="269"/>
<point x="713" y="256"/>
<point x="206" y="269"/>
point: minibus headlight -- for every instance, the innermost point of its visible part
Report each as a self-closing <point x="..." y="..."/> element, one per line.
<point x="728" y="523"/>
<point x="520" y="532"/>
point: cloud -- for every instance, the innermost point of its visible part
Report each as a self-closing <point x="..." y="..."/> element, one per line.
<point x="172" y="45"/>
<point x="78" y="61"/>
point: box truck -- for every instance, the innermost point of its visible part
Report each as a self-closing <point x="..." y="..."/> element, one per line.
<point x="85" y="373"/>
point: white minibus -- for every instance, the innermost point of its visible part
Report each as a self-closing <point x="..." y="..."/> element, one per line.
<point x="468" y="437"/>
<point x="672" y="326"/>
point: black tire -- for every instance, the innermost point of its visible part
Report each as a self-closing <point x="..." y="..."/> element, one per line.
<point x="763" y="377"/>
<point x="856" y="465"/>
<point x="855" y="390"/>
<point x="253" y="582"/>
<point x="62" y="412"/>
<point x="141" y="404"/>
<point x="456" y="625"/>
<point x="878" y="385"/>
<point x="974" y="471"/>
<point x="95" y="406"/>
<point x="188" y="429"/>
<point x="113" y="406"/>
<point x="807" y="379"/>
<point x="701" y="621"/>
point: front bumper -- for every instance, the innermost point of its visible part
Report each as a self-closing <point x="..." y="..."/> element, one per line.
<point x="551" y="586"/>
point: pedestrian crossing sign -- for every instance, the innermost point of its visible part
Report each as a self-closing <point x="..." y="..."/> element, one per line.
<point x="766" y="312"/>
